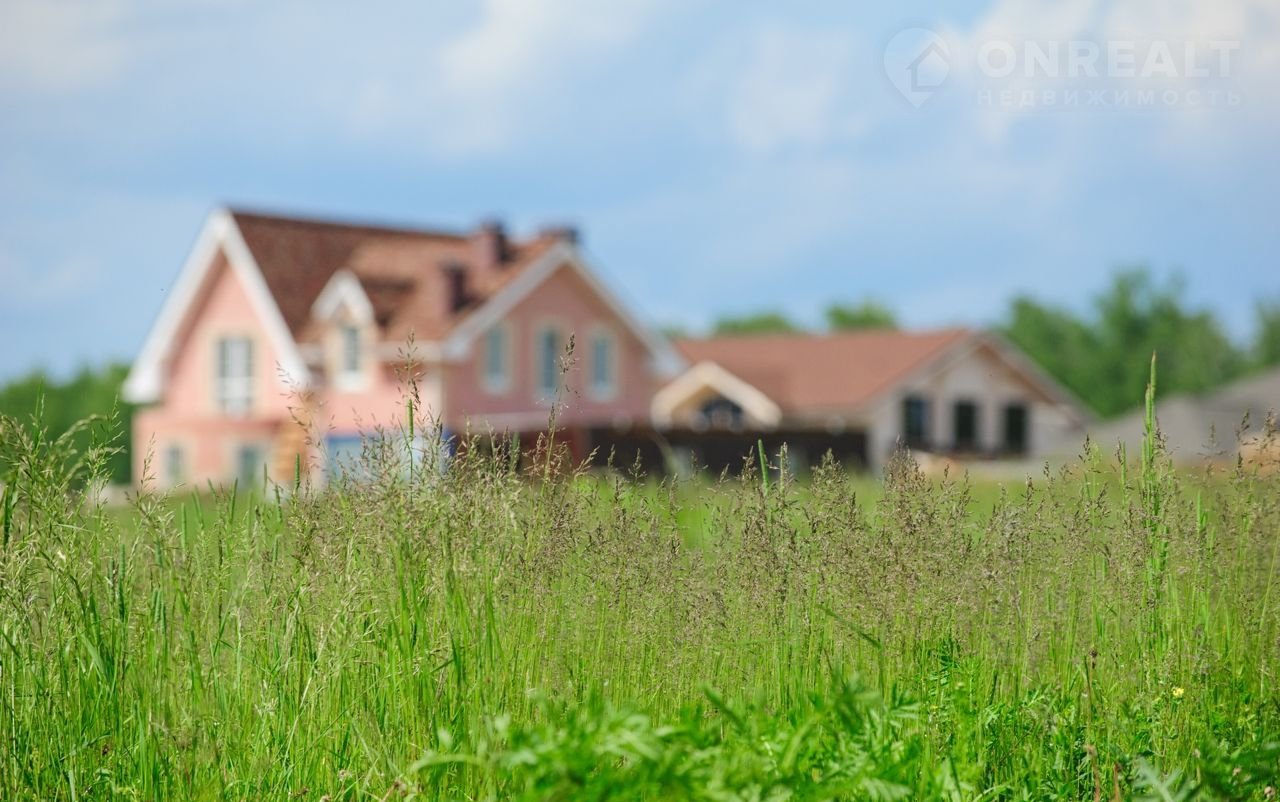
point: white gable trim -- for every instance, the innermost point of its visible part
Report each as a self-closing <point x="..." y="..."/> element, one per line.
<point x="756" y="404"/>
<point x="145" y="383"/>
<point x="457" y="346"/>
<point x="343" y="290"/>
<point x="1036" y="375"/>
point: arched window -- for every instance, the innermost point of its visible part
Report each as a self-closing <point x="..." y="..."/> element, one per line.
<point x="720" y="413"/>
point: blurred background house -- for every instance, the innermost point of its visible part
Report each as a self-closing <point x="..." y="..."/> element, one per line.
<point x="966" y="394"/>
<point x="1214" y="426"/>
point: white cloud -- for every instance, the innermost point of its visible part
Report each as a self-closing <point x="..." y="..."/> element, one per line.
<point x="28" y="284"/>
<point x="793" y="90"/>
<point x="737" y="229"/>
<point x="1016" y="20"/>
<point x="516" y="43"/>
<point x="61" y="46"/>
<point x="488" y="77"/>
<point x="477" y="85"/>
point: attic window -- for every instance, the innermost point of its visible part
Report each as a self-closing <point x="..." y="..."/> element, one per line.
<point x="719" y="412"/>
<point x="350" y="349"/>
<point x="234" y="381"/>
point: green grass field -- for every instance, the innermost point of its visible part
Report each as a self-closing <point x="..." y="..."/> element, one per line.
<point x="1106" y="632"/>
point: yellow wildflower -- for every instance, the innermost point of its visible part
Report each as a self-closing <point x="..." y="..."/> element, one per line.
<point x="1178" y="692"/>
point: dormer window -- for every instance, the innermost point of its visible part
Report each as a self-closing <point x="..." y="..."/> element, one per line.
<point x="347" y="317"/>
<point x="233" y="384"/>
<point x="350" y="368"/>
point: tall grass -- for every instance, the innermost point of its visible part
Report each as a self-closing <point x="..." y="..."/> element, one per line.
<point x="486" y="632"/>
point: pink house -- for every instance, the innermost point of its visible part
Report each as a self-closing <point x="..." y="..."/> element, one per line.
<point x="275" y="318"/>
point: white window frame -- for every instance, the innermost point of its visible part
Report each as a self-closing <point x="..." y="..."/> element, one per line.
<point x="541" y="392"/>
<point x="346" y="376"/>
<point x="233" y="394"/>
<point x="499" y="381"/>
<point x="608" y="388"/>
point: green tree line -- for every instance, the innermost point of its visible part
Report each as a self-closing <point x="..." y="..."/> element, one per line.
<point x="60" y="404"/>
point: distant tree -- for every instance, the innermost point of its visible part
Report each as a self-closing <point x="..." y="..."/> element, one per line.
<point x="88" y="392"/>
<point x="1100" y="355"/>
<point x="1062" y="343"/>
<point x="755" y="323"/>
<point x="673" y="331"/>
<point x="870" y="314"/>
<point x="1266" y="341"/>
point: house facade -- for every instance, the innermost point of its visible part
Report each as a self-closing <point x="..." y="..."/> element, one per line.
<point x="966" y="394"/>
<point x="279" y="321"/>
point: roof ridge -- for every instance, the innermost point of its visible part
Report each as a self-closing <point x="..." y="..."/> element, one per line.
<point x="946" y="331"/>
<point x="350" y="225"/>
<point x="953" y="335"/>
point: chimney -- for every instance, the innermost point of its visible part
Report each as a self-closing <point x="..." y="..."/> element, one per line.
<point x="564" y="233"/>
<point x="490" y="250"/>
<point x="455" y="286"/>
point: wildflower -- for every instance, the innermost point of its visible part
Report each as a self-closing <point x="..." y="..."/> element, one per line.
<point x="1178" y="692"/>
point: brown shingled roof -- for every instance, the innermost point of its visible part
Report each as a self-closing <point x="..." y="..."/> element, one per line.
<point x="400" y="269"/>
<point x="815" y="373"/>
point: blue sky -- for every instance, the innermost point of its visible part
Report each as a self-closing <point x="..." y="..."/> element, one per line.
<point x="718" y="156"/>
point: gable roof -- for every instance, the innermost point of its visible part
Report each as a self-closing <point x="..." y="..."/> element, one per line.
<point x="400" y="269"/>
<point x="298" y="256"/>
<point x="219" y="235"/>
<point x="665" y="360"/>
<point x="814" y="373"/>
<point x="709" y="376"/>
